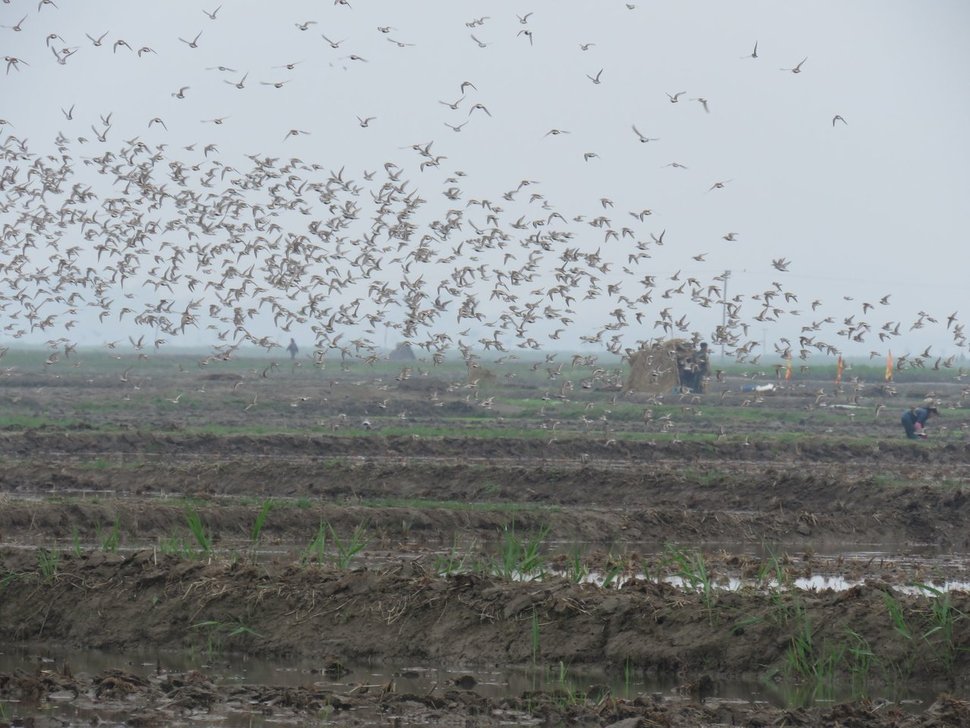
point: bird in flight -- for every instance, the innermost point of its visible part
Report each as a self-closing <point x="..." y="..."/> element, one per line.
<point x="596" y="78"/>
<point x="780" y="264"/>
<point x="14" y="61"/>
<point x="674" y="98"/>
<point x="18" y="27"/>
<point x="644" y="139"/>
<point x="97" y="41"/>
<point x="212" y="15"/>
<point x="703" y="102"/>
<point x="194" y="43"/>
<point x="796" y="69"/>
<point x="838" y="117"/>
<point x="241" y="83"/>
<point x="754" y="53"/>
<point x="366" y="120"/>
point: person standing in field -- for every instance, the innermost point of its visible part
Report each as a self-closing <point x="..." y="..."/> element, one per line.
<point x="914" y="421"/>
<point x="293" y="349"/>
<point x="702" y="367"/>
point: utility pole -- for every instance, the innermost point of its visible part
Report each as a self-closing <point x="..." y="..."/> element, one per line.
<point x="724" y="303"/>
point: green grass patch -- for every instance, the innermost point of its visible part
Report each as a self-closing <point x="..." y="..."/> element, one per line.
<point x="420" y="504"/>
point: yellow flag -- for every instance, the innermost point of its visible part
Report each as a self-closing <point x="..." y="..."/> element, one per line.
<point x="788" y="369"/>
<point x="839" y="366"/>
<point x="889" y="366"/>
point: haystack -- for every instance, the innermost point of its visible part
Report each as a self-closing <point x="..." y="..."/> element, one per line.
<point x="654" y="369"/>
<point x="402" y="352"/>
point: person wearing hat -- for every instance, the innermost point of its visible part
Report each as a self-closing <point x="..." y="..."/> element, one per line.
<point x="914" y="420"/>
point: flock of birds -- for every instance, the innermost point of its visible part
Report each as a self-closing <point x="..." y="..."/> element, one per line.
<point x="126" y="234"/>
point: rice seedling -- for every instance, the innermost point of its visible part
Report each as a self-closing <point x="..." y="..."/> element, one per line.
<point x="612" y="575"/>
<point x="317" y="548"/>
<point x="772" y="570"/>
<point x="943" y="617"/>
<point x="534" y="634"/>
<point x="628" y="676"/>
<point x="805" y="660"/>
<point x="257" y="529"/>
<point x="859" y="659"/>
<point x="175" y="545"/>
<point x="565" y="690"/>
<point x="577" y="569"/>
<point x="453" y="562"/>
<point x="112" y="538"/>
<point x="47" y="562"/>
<point x="8" y="579"/>
<point x="198" y="530"/>
<point x="799" y="658"/>
<point x="519" y="558"/>
<point x="896" y="615"/>
<point x="692" y="570"/>
<point x="75" y="541"/>
<point x="347" y="550"/>
<point x="217" y="632"/>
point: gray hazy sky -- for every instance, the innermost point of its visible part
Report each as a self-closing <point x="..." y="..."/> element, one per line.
<point x="861" y="210"/>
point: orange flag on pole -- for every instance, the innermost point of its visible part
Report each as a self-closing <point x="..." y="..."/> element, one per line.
<point x="788" y="369"/>
<point x="839" y="366"/>
<point x="889" y="366"/>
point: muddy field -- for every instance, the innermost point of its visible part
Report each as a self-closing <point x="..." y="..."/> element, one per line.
<point x="635" y="556"/>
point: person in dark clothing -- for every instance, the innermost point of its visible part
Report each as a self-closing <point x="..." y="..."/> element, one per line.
<point x="914" y="420"/>
<point x="694" y="369"/>
<point x="702" y="367"/>
<point x="293" y="349"/>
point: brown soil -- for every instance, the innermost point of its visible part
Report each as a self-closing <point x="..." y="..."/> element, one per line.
<point x="622" y="499"/>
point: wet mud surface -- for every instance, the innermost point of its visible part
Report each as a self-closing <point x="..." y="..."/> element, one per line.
<point x="671" y="558"/>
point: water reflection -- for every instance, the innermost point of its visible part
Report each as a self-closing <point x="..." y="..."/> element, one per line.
<point x="427" y="679"/>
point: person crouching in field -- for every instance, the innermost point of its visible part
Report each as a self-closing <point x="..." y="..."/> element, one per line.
<point x="914" y="420"/>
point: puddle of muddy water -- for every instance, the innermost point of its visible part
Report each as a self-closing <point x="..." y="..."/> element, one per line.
<point x="817" y="582"/>
<point x="235" y="670"/>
